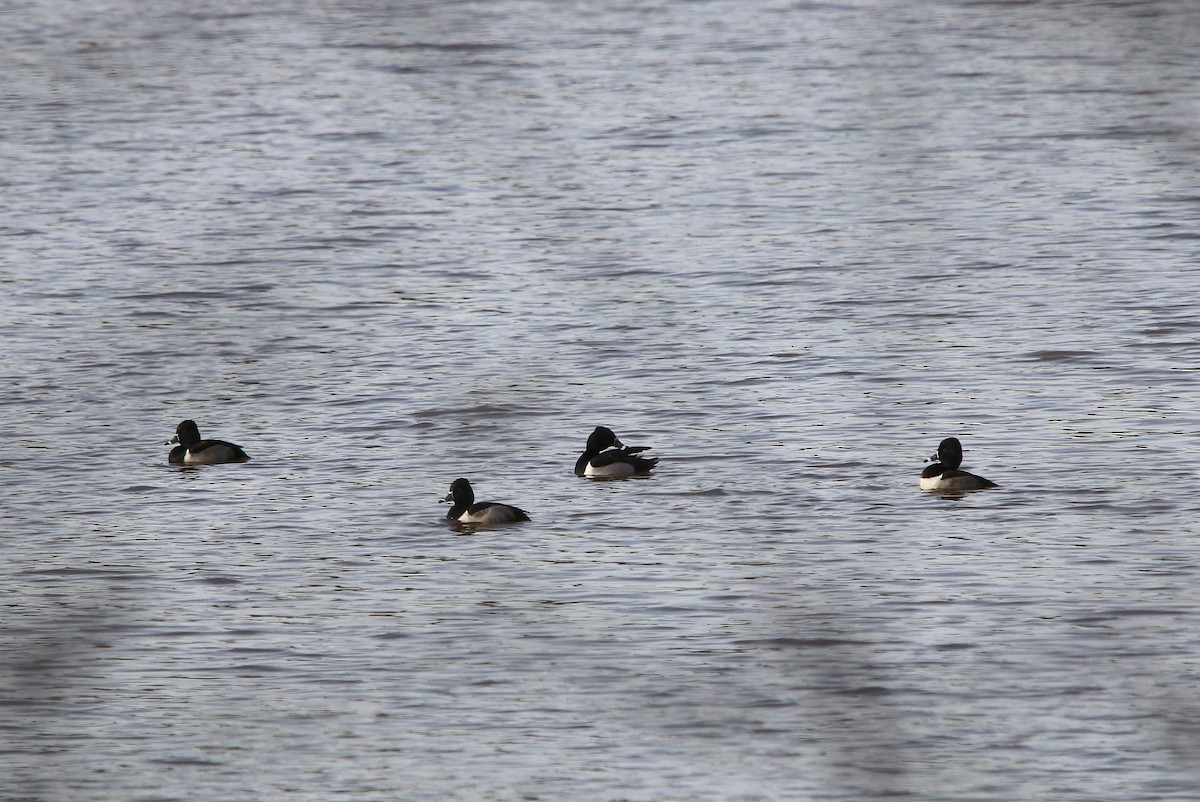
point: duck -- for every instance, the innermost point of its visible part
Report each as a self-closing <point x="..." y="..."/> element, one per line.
<point x="194" y="451"/>
<point x="944" y="474"/>
<point x="619" y="461"/>
<point x="466" y="510"/>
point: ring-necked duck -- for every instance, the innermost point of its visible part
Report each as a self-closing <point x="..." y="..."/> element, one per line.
<point x="944" y="474"/>
<point x="194" y="451"/>
<point x="616" y="462"/>
<point x="466" y="510"/>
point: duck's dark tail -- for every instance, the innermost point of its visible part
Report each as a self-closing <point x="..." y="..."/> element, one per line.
<point x="644" y="464"/>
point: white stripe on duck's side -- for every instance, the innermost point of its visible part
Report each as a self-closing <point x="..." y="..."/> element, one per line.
<point x="944" y="474"/>
<point x="617" y="462"/>
<point x="466" y="510"/>
<point x="194" y="451"/>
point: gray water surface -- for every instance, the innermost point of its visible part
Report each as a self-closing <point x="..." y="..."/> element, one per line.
<point x="788" y="245"/>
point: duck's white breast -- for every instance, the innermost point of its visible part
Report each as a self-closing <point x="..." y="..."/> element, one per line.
<point x="932" y="483"/>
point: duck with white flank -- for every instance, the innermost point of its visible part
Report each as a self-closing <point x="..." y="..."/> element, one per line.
<point x="944" y="474"/>
<point x="467" y="511"/>
<point x="618" y="461"/>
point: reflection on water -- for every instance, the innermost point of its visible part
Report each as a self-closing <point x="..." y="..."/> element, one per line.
<point x="791" y="246"/>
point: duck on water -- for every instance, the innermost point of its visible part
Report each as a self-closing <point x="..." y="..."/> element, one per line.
<point x="944" y="473"/>
<point x="194" y="451"/>
<point x="468" y="511"/>
<point x="608" y="458"/>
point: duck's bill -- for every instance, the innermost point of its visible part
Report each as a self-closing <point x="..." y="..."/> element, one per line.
<point x="172" y="441"/>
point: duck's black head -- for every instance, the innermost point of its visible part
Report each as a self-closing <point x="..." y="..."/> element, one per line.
<point x="187" y="434"/>
<point x="949" y="453"/>
<point x="601" y="439"/>
<point x="461" y="493"/>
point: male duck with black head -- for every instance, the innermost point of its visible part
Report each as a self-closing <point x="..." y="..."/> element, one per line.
<point x="194" y="451"/>
<point x="617" y="462"/>
<point x="466" y="510"/>
<point x="944" y="475"/>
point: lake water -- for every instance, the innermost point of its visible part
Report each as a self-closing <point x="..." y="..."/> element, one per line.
<point x="788" y="245"/>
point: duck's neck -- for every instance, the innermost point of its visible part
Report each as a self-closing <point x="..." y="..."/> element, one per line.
<point x="460" y="504"/>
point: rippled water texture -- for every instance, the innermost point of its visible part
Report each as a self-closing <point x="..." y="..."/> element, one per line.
<point x="790" y="246"/>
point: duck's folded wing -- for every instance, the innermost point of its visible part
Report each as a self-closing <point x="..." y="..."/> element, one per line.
<point x="495" y="512"/>
<point x="610" y="457"/>
<point x="966" y="478"/>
